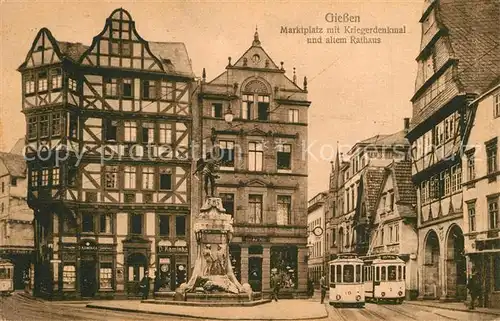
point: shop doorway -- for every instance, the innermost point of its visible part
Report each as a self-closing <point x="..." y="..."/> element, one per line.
<point x="255" y="273"/>
<point x="88" y="283"/>
<point x="136" y="266"/>
<point x="173" y="272"/>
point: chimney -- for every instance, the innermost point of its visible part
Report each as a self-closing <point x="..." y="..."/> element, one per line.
<point x="407" y="124"/>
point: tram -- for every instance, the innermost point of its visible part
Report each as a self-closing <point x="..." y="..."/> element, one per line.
<point x="6" y="277"/>
<point x="384" y="279"/>
<point x="346" y="281"/>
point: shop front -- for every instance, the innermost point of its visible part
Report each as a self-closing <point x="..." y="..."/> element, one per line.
<point x="172" y="264"/>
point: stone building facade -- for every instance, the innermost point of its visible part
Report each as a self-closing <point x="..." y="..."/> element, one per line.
<point x="263" y="175"/>
<point x="316" y="218"/>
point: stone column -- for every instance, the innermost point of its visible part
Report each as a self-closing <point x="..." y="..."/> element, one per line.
<point x="266" y="268"/>
<point x="244" y="264"/>
<point x="302" y="268"/>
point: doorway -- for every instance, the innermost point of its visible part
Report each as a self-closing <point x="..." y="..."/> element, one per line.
<point x="137" y="264"/>
<point x="255" y="273"/>
<point x="88" y="278"/>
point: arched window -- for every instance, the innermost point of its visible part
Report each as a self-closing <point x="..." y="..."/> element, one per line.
<point x="255" y="101"/>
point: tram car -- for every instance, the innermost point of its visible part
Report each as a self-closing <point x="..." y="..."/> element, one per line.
<point x="6" y="277"/>
<point x="385" y="279"/>
<point x="346" y="281"/>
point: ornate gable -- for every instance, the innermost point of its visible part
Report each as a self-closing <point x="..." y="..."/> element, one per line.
<point x="44" y="50"/>
<point x="256" y="57"/>
<point x="119" y="45"/>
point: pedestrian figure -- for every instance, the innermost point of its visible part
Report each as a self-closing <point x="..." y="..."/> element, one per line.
<point x="474" y="289"/>
<point x="275" y="284"/>
<point x="26" y="280"/>
<point x="323" y="286"/>
<point x="310" y="287"/>
<point x="145" y="285"/>
<point x="158" y="282"/>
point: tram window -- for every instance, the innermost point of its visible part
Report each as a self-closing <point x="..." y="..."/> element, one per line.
<point x="348" y="273"/>
<point x="400" y="274"/>
<point x="332" y="273"/>
<point x="358" y="273"/>
<point x="4" y="273"/>
<point x="391" y="269"/>
<point x="377" y="278"/>
<point x="404" y="272"/>
<point x="339" y="274"/>
<point x="383" y="276"/>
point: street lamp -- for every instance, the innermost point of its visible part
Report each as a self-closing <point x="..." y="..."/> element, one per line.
<point x="228" y="116"/>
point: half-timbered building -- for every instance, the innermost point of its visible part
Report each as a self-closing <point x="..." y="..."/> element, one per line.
<point x="457" y="60"/>
<point x="107" y="143"/>
<point x="263" y="175"/>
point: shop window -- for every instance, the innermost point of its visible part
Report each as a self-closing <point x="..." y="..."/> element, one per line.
<point x="106" y="276"/>
<point x="105" y="223"/>
<point x="228" y="202"/>
<point x="165" y="179"/>
<point x="217" y="110"/>
<point x="69" y="277"/>
<point x="284" y="157"/>
<point x="164" y="225"/>
<point x="284" y="213"/>
<point x="180" y="225"/>
<point x="136" y="224"/>
<point x="87" y="223"/>
<point x="284" y="262"/>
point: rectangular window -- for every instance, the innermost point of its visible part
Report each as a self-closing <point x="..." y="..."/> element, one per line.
<point x="34" y="178"/>
<point x="263" y="107"/>
<point x="180" y="225"/>
<point x="29" y="83"/>
<point x="110" y="129"/>
<point x="114" y="47"/>
<point x="165" y="133"/>
<point x="126" y="48"/>
<point x="284" y="214"/>
<point x="130" y="131"/>
<point x="105" y="276"/>
<point x="56" y="78"/>
<point x="471" y="210"/>
<point x="167" y="90"/>
<point x="149" y="89"/>
<point x="217" y="110"/>
<point x="72" y="175"/>
<point x="32" y="127"/>
<point x="227" y="153"/>
<point x="148" y="133"/>
<point x="55" y="176"/>
<point x="228" y="202"/>
<point x="111" y="87"/>
<point x="129" y="177"/>
<point x="284" y="157"/>
<point x="164" y="225"/>
<point x="396" y="232"/>
<point x="73" y="126"/>
<point x="255" y="157"/>
<point x="293" y="115"/>
<point x="44" y="126"/>
<point x="148" y="176"/>
<point x="390" y="234"/>
<point x="247" y="107"/>
<point x="127" y="91"/>
<point x="45" y="177"/>
<point x="42" y="81"/>
<point x="111" y="177"/>
<point x="471" y="167"/>
<point x="56" y="124"/>
<point x="255" y="209"/>
<point x="87" y="223"/>
<point x="491" y="156"/>
<point x="496" y="107"/>
<point x="69" y="277"/>
<point x="135" y="223"/>
<point x="105" y="223"/>
<point x="72" y="84"/>
<point x="165" y="179"/>
<point x="493" y="212"/>
<point x="447" y="183"/>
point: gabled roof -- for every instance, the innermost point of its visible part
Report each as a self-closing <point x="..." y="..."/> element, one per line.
<point x="72" y="50"/>
<point x="387" y="140"/>
<point x="174" y="57"/>
<point x="372" y="181"/>
<point x="405" y="191"/>
<point x="474" y="35"/>
<point x="15" y="164"/>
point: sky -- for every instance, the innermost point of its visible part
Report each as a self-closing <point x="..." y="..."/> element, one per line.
<point x="357" y="90"/>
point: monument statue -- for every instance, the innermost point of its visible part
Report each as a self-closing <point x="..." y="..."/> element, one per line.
<point x="208" y="167"/>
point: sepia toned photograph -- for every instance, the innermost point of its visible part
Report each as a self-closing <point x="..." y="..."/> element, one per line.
<point x="249" y="160"/>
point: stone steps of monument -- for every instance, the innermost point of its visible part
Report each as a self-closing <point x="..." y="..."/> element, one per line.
<point x="214" y="297"/>
<point x="211" y="303"/>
